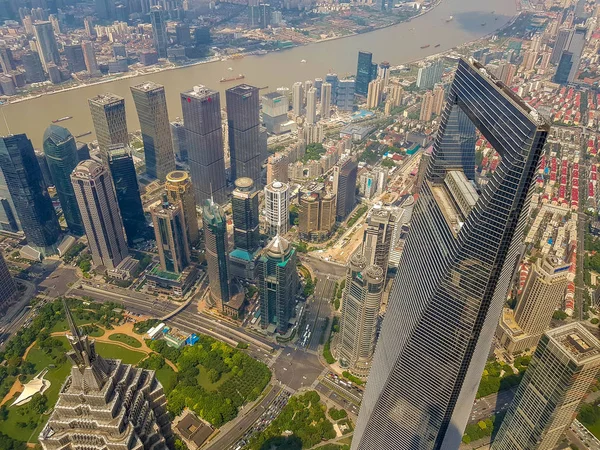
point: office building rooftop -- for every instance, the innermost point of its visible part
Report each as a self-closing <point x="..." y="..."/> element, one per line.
<point x="576" y="342"/>
<point x="200" y="92"/>
<point x="147" y="86"/>
<point x="106" y="99"/>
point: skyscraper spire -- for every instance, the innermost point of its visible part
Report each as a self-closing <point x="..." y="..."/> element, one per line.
<point x="71" y="321"/>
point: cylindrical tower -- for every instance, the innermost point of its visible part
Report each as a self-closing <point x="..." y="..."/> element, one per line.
<point x="179" y="188"/>
<point x="360" y="312"/>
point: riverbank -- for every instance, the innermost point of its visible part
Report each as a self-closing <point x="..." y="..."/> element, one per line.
<point x="213" y="60"/>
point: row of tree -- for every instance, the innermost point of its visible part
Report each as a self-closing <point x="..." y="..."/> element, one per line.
<point x="217" y="400"/>
<point x="305" y="417"/>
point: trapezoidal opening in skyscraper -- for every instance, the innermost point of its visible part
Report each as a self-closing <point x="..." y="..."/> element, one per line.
<point x="465" y="240"/>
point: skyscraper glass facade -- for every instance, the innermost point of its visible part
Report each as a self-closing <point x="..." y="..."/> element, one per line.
<point x="453" y="276"/>
<point x="201" y="109"/>
<point x="122" y="171"/>
<point x="28" y="192"/>
<point x="151" y="105"/>
<point x="215" y="243"/>
<point x="366" y="71"/>
<point x="243" y="105"/>
<point x="60" y="150"/>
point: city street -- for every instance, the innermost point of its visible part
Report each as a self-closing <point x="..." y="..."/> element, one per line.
<point x="318" y="309"/>
<point x="297" y="368"/>
<point x="492" y="404"/>
<point x="337" y="398"/>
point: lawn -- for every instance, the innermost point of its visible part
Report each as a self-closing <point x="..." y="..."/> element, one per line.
<point x="62" y="325"/>
<point x="167" y="377"/>
<point x="19" y="415"/>
<point x="205" y="382"/>
<point x="112" y="351"/>
<point x="125" y="339"/>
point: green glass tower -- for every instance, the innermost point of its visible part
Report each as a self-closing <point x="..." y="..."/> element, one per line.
<point x="215" y="242"/>
<point x="60" y="150"/>
<point x="277" y="283"/>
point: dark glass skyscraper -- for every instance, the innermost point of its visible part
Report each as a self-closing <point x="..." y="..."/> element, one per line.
<point x="60" y="150"/>
<point x="34" y="72"/>
<point x="243" y="104"/>
<point x="571" y="57"/>
<point x="277" y="284"/>
<point x="8" y="287"/>
<point x="46" y="43"/>
<point x="215" y="243"/>
<point x="159" y="31"/>
<point x="28" y="192"/>
<point x="344" y="186"/>
<point x="122" y="170"/>
<point x="201" y="109"/>
<point x="454" y="274"/>
<point x="366" y="71"/>
<point x="244" y="205"/>
<point x="151" y="105"/>
<point x="75" y="59"/>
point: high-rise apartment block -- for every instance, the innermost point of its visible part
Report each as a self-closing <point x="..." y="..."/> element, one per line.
<point x="179" y="188"/>
<point x="124" y="177"/>
<point x="128" y="403"/>
<point x="60" y="151"/>
<point x="151" y="104"/>
<point x="110" y="121"/>
<point x="277" y="284"/>
<point x="366" y="71"/>
<point x="311" y="106"/>
<point x="277" y="208"/>
<point x="244" y="206"/>
<point x="438" y="99"/>
<point x="297" y="98"/>
<point x="171" y="236"/>
<point x="201" y="108"/>
<point x="430" y="74"/>
<point x="326" y="100"/>
<point x="360" y="312"/>
<point x="28" y="193"/>
<point x="345" y="95"/>
<point x="275" y="107"/>
<point x="426" y="107"/>
<point x="217" y="248"/>
<point x="543" y="292"/>
<point x="159" y="31"/>
<point x="377" y="237"/>
<point x="374" y="93"/>
<point x="438" y="329"/>
<point x="46" y="44"/>
<point x="89" y="57"/>
<point x="243" y="124"/>
<point x="344" y="186"/>
<point x="559" y="375"/>
<point x="100" y="213"/>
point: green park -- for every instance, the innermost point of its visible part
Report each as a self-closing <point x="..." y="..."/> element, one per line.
<point x="211" y="378"/>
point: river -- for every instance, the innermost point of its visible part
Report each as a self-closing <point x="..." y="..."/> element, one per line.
<point x="397" y="44"/>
